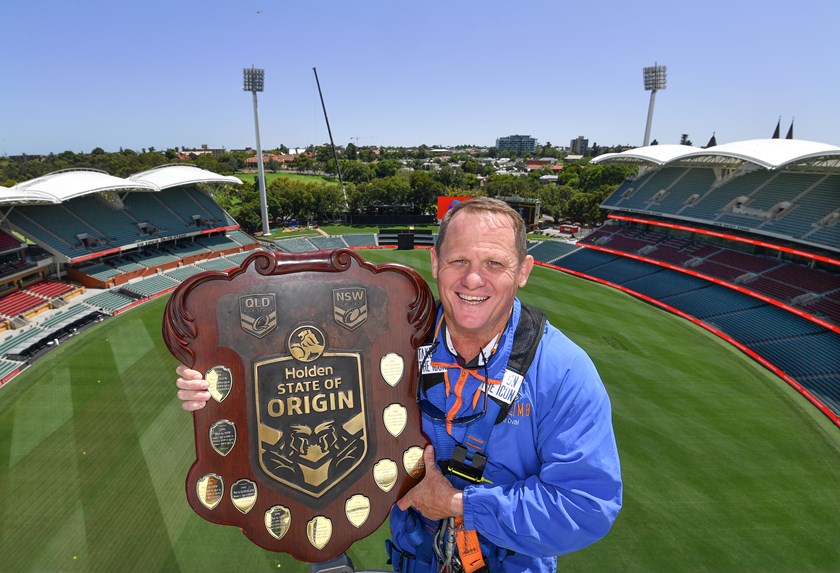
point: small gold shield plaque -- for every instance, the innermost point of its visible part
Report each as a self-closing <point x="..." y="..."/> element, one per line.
<point x="220" y="380"/>
<point x="385" y="474"/>
<point x="210" y="489"/>
<point x="319" y="531"/>
<point x="223" y="436"/>
<point x="391" y="366"/>
<point x="243" y="494"/>
<point x="278" y="519"/>
<point x="394" y="417"/>
<point x="413" y="461"/>
<point x="357" y="509"/>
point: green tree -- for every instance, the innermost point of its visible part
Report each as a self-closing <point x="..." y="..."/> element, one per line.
<point x="425" y="190"/>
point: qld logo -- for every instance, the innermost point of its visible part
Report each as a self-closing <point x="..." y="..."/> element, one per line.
<point x="350" y="307"/>
<point x="258" y="313"/>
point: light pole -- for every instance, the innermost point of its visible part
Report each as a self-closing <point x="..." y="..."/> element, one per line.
<point x="254" y="81"/>
<point x="655" y="79"/>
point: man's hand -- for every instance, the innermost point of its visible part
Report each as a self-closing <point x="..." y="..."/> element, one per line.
<point x="434" y="496"/>
<point x="192" y="389"/>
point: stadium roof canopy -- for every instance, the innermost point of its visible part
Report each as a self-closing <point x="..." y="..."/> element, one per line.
<point x="656" y="154"/>
<point x="766" y="153"/>
<point x="70" y="183"/>
<point x="12" y="196"/>
<point x="167" y="176"/>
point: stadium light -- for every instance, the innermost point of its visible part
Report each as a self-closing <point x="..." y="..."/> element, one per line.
<point x="655" y="79"/>
<point x="253" y="80"/>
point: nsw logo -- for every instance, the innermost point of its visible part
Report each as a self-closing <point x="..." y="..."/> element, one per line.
<point x="350" y="307"/>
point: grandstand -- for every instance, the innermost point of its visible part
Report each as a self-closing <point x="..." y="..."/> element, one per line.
<point x="743" y="238"/>
<point x="87" y="229"/>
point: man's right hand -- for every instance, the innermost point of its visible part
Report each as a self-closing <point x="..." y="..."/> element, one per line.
<point x="192" y="388"/>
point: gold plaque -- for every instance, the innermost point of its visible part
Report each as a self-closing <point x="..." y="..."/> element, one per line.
<point x="210" y="489"/>
<point x="394" y="417"/>
<point x="413" y="461"/>
<point x="278" y="519"/>
<point x="220" y="380"/>
<point x="223" y="436"/>
<point x="385" y="474"/>
<point x="319" y="531"/>
<point x="243" y="494"/>
<point x="357" y="509"/>
<point x="391" y="366"/>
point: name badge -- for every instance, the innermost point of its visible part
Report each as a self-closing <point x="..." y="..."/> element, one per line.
<point x="425" y="363"/>
<point x="508" y="389"/>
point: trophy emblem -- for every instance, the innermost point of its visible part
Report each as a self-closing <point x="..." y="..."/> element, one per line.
<point x="350" y="307"/>
<point x="313" y="432"/>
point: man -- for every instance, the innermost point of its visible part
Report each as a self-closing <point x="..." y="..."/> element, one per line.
<point x="520" y="468"/>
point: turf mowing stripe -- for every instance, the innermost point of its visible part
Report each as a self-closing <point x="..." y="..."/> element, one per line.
<point x="40" y="412"/>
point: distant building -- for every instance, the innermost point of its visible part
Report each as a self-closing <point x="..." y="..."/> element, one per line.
<point x="517" y="143"/>
<point x="204" y="150"/>
<point x="579" y="145"/>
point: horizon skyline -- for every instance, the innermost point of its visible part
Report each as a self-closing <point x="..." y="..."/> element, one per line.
<point x="167" y="75"/>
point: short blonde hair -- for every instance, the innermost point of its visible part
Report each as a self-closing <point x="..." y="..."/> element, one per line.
<point x="491" y="206"/>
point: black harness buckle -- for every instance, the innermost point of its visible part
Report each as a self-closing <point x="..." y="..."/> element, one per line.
<point x="472" y="471"/>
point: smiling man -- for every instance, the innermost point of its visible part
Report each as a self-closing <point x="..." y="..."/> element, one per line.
<point x="523" y="463"/>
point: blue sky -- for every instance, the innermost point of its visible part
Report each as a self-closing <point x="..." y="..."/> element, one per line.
<point x="80" y="74"/>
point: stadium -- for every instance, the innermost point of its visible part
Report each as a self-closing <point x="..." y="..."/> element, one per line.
<point x="710" y="302"/>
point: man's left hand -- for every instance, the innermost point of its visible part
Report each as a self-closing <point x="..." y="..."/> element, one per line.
<point x="434" y="496"/>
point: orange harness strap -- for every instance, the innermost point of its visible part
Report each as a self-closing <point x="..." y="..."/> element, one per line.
<point x="469" y="550"/>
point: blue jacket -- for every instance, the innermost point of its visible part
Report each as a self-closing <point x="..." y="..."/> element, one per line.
<point x="556" y="481"/>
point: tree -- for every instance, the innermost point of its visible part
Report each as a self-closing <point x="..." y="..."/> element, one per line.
<point x="350" y="152"/>
<point x="356" y="171"/>
<point x="386" y="168"/>
<point x="425" y="190"/>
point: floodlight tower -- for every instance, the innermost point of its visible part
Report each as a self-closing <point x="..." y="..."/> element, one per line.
<point x="254" y="81"/>
<point x="655" y="79"/>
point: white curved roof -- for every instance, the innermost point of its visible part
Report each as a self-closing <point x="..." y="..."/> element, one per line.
<point x="68" y="184"/>
<point x="167" y="176"/>
<point x="767" y="153"/>
<point x="10" y="195"/>
<point x="770" y="153"/>
<point x="658" y="154"/>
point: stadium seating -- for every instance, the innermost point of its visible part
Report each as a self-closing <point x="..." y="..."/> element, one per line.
<point x="217" y="242"/>
<point x="296" y="245"/>
<point x="237" y="258"/>
<point x="109" y="302"/>
<point x="21" y="303"/>
<point x="328" y="242"/>
<point x="19" y="337"/>
<point x="8" y="242"/>
<point x="808" y="208"/>
<point x="241" y="238"/>
<point x="8" y="367"/>
<point x="183" y="273"/>
<point x="151" y="286"/>
<point x="218" y="264"/>
<point x="362" y="240"/>
<point x="550" y="250"/>
<point x="51" y="289"/>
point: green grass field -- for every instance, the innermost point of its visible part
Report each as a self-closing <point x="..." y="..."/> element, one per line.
<point x="249" y="178"/>
<point x="726" y="469"/>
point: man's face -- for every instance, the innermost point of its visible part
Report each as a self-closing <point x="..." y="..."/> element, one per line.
<point x="478" y="274"/>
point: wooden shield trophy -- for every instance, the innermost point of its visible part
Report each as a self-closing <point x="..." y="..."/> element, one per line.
<point x="312" y="432"/>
